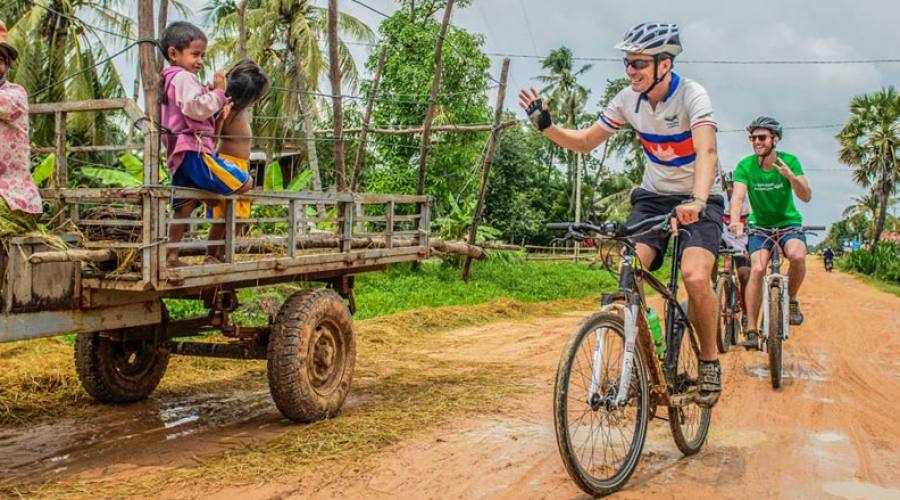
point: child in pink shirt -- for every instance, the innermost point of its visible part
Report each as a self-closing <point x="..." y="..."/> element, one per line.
<point x="17" y="188"/>
<point x="188" y="115"/>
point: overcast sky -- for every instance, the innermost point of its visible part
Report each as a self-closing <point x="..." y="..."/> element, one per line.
<point x="798" y="95"/>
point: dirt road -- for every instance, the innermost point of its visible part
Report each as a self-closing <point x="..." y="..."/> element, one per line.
<point x="832" y="431"/>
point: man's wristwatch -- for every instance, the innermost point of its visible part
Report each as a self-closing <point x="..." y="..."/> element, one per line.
<point x="693" y="198"/>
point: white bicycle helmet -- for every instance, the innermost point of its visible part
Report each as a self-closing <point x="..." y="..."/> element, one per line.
<point x="652" y="39"/>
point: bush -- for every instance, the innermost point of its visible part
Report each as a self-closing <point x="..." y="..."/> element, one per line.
<point x="881" y="262"/>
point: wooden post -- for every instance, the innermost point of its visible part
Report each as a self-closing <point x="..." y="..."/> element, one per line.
<point x="230" y="229"/>
<point x="292" y="231"/>
<point x="335" y="75"/>
<point x="432" y="99"/>
<point x="370" y="104"/>
<point x="149" y="62"/>
<point x="346" y="226"/>
<point x="150" y="78"/>
<point x="389" y="225"/>
<point x="61" y="178"/>
<point x="486" y="169"/>
<point x="360" y="213"/>
<point x="163" y="16"/>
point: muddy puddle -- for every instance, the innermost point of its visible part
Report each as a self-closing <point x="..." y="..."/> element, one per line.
<point x="50" y="449"/>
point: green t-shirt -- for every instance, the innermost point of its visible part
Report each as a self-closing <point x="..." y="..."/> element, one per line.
<point x="771" y="196"/>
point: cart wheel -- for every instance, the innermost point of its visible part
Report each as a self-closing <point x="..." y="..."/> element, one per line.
<point x="311" y="355"/>
<point x="118" y="371"/>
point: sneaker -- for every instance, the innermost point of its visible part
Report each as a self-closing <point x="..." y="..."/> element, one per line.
<point x="710" y="384"/>
<point x="751" y="339"/>
<point x="796" y="315"/>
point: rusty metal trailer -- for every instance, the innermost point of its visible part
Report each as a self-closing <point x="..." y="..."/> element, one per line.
<point x="110" y="291"/>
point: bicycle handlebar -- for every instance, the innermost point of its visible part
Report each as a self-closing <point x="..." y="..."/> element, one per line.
<point x="615" y="229"/>
<point x="801" y="229"/>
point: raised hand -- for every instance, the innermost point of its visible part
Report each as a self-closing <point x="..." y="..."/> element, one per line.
<point x="783" y="168"/>
<point x="219" y="80"/>
<point x="535" y="108"/>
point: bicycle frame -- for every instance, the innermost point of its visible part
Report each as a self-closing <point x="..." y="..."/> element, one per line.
<point x="629" y="302"/>
<point x="774" y="277"/>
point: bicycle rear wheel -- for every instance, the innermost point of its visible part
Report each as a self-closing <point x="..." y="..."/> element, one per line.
<point x="689" y="423"/>
<point x="773" y="342"/>
<point x="599" y="442"/>
<point x="724" y="313"/>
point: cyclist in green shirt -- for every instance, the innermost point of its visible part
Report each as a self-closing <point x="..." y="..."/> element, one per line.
<point x="771" y="179"/>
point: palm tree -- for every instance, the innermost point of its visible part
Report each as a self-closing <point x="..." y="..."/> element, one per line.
<point x="58" y="59"/>
<point x="867" y="206"/>
<point x="566" y="97"/>
<point x="284" y="36"/>
<point x="869" y="143"/>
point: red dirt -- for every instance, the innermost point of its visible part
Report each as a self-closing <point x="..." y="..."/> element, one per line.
<point x="831" y="431"/>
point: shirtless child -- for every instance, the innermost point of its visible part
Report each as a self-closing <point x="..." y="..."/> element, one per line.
<point x="246" y="84"/>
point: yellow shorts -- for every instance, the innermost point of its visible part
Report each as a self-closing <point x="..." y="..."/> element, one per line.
<point x="216" y="210"/>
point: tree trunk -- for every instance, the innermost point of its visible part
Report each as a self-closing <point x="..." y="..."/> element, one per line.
<point x="309" y="136"/>
<point x="486" y="169"/>
<point x="432" y="100"/>
<point x="883" y="195"/>
<point x="334" y="69"/>
<point x="242" y="29"/>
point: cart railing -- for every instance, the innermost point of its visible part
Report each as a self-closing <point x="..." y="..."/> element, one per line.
<point x="287" y="230"/>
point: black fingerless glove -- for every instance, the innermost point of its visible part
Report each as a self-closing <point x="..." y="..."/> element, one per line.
<point x="539" y="116"/>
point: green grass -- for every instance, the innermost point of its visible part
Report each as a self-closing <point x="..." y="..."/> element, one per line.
<point x="437" y="284"/>
<point x="884" y="286"/>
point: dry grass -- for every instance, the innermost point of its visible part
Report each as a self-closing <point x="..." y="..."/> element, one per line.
<point x="406" y="388"/>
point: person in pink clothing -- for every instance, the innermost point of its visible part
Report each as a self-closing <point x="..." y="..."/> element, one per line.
<point x="17" y="188"/>
<point x="189" y="123"/>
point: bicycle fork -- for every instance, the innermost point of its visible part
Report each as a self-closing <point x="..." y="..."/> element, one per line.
<point x="768" y="281"/>
<point x="630" y="315"/>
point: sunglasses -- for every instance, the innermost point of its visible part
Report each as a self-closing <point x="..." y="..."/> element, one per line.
<point x="637" y="63"/>
<point x="760" y="138"/>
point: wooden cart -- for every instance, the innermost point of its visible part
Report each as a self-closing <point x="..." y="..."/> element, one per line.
<point x="110" y="291"/>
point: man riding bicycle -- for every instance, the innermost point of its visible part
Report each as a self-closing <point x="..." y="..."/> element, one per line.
<point x="771" y="179"/>
<point x="673" y="117"/>
<point x="737" y="243"/>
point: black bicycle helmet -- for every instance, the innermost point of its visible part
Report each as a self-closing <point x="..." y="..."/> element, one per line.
<point x="767" y="123"/>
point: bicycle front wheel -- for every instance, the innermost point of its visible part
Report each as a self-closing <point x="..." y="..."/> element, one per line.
<point x="599" y="441"/>
<point x="689" y="423"/>
<point x="773" y="342"/>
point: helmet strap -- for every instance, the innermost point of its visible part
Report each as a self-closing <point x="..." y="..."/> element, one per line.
<point x="656" y="79"/>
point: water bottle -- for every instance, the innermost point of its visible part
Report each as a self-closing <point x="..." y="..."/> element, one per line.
<point x="656" y="331"/>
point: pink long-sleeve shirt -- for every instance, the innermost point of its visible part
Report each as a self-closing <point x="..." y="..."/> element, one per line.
<point x="16" y="185"/>
<point x="188" y="115"/>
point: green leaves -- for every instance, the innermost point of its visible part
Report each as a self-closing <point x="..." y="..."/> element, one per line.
<point x="274" y="181"/>
<point x="44" y="169"/>
<point x="110" y="177"/>
<point x="457" y="223"/>
<point x="300" y="181"/>
<point x="133" y="165"/>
